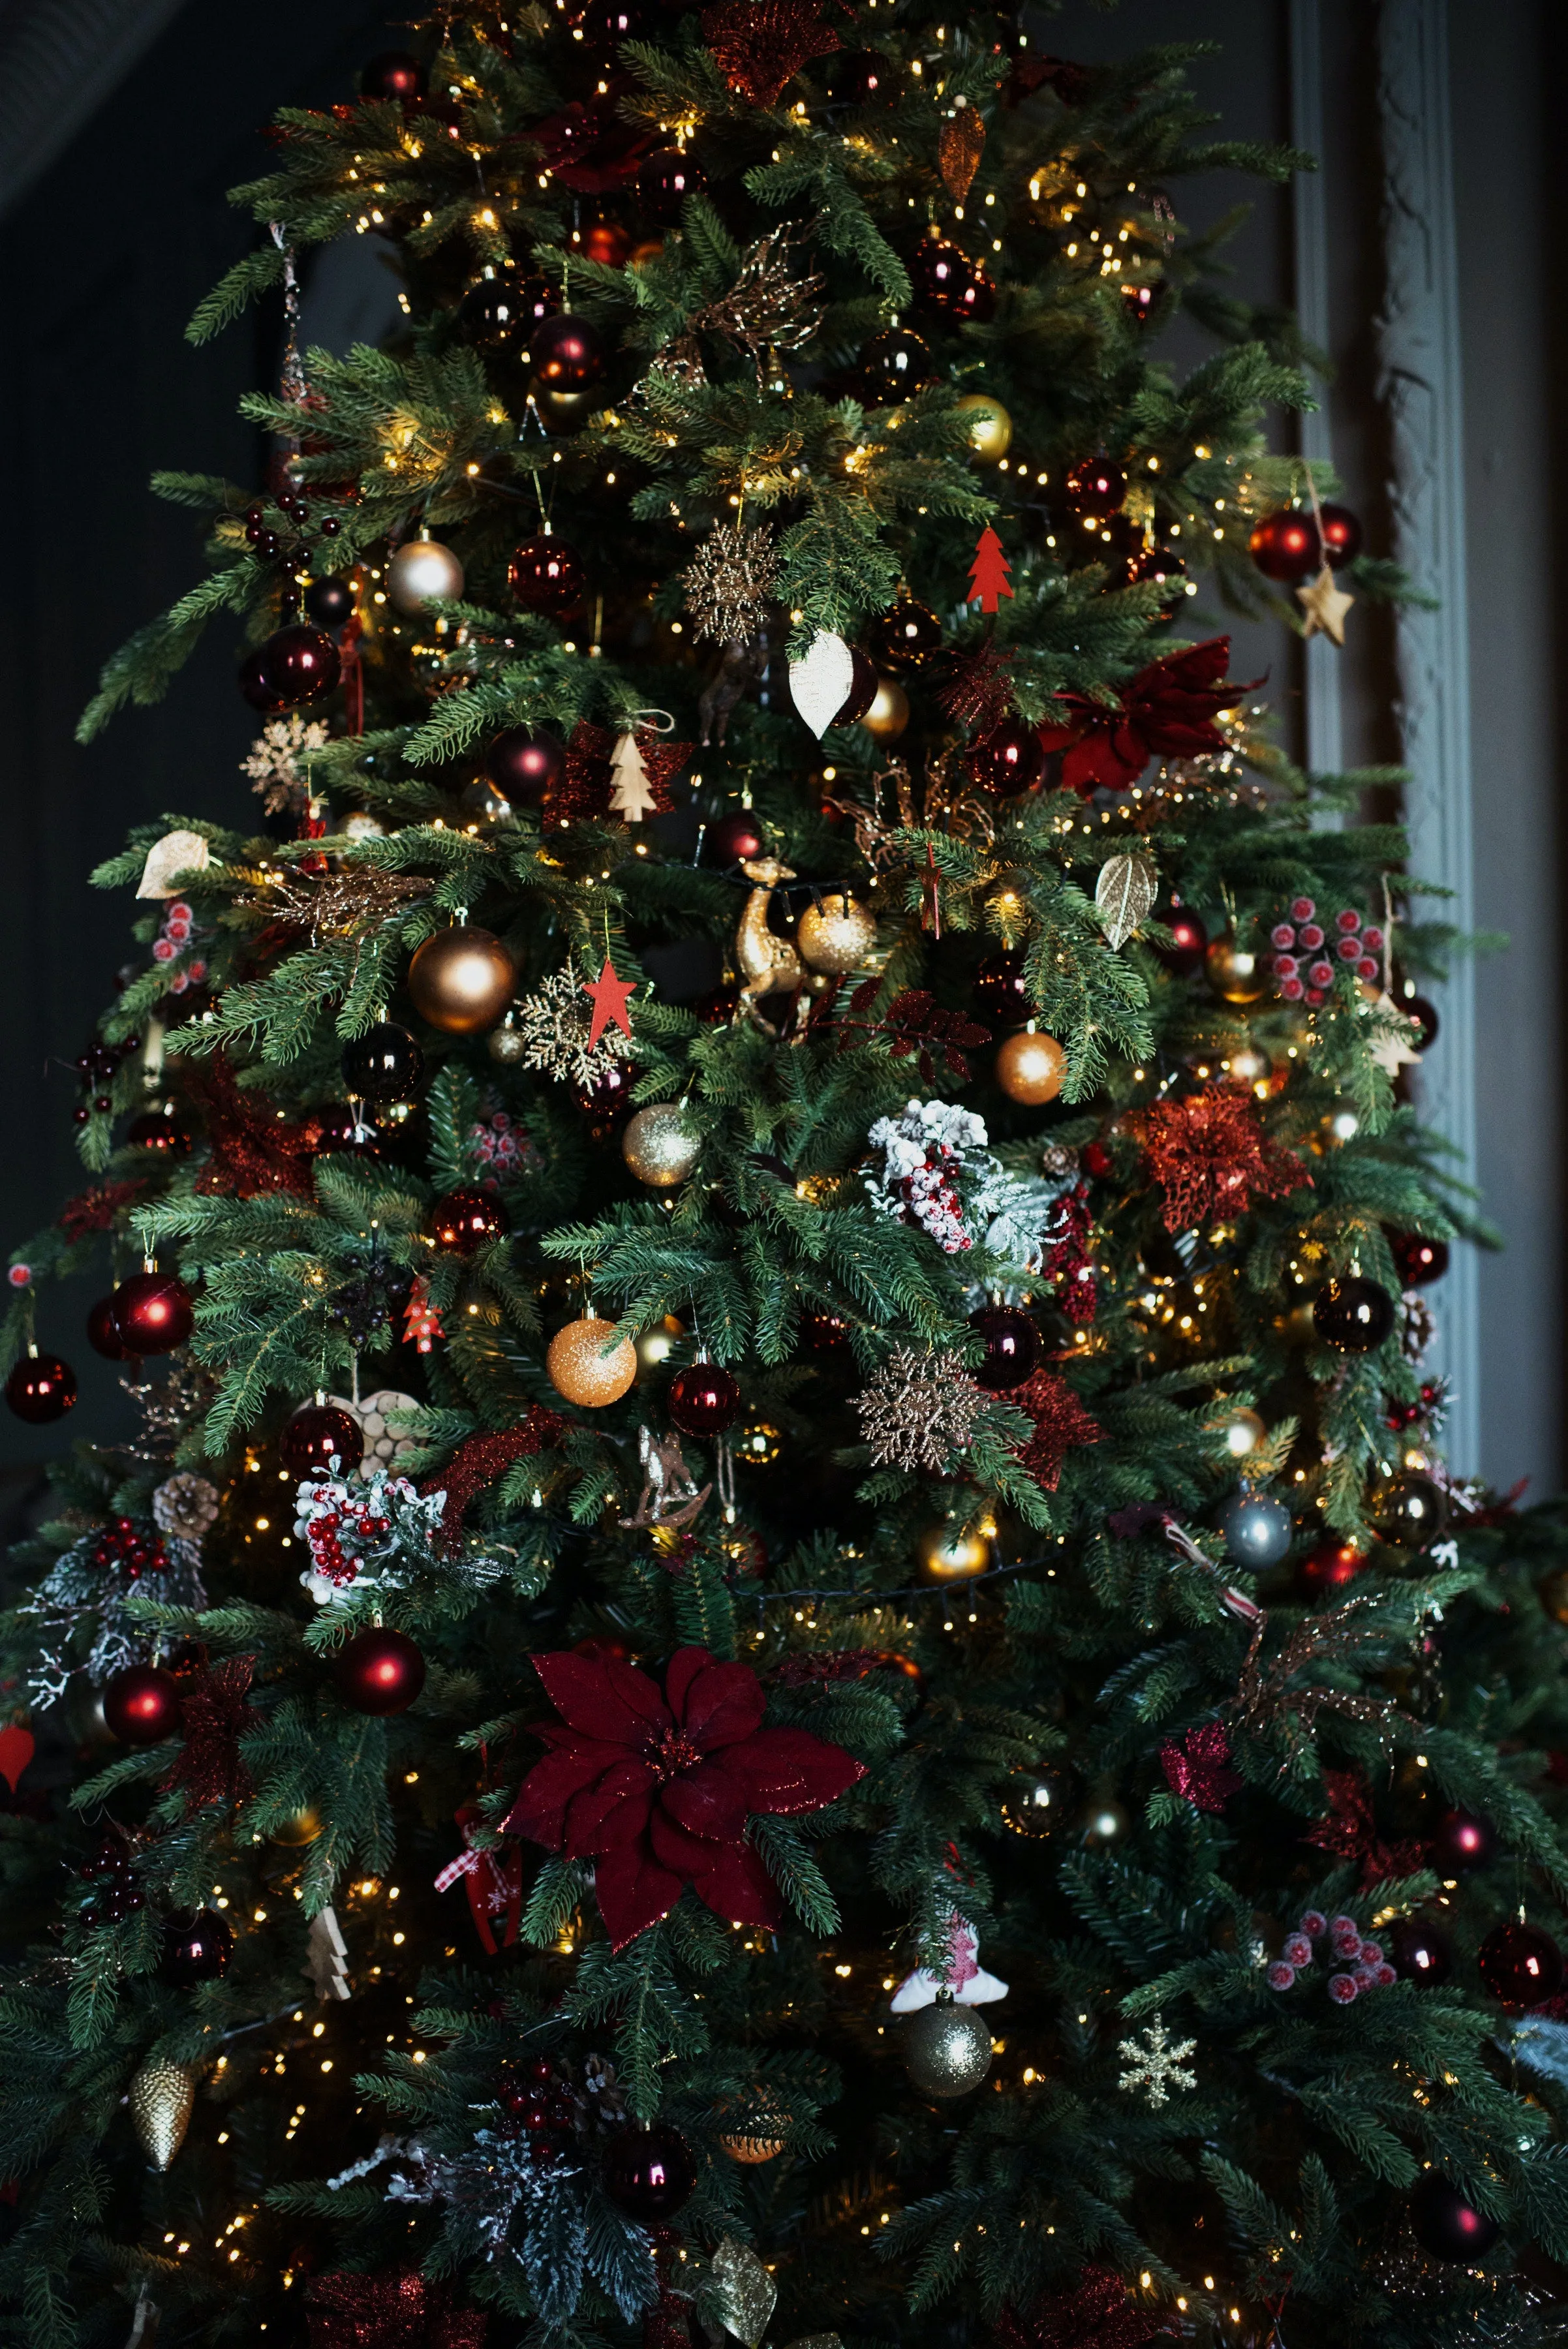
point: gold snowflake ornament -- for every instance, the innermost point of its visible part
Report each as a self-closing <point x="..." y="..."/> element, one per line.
<point x="1156" y="2064"/>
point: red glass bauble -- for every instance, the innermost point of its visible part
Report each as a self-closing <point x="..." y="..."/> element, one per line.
<point x="256" y="687"/>
<point x="1418" y="1952"/>
<point x="605" y="239"/>
<point x="666" y="180"/>
<point x="394" y="74"/>
<point x="609" y="1095"/>
<point x="301" y="663"/>
<point x="152" y="1312"/>
<point x="947" y="280"/>
<point x="1446" y="2225"/>
<point x="1353" y="1315"/>
<point x="1463" y="1840"/>
<point x="999" y="994"/>
<point x="567" y="353"/>
<point x="733" y="837"/>
<point x="329" y="602"/>
<point x="466" y="1219"/>
<point x="862" y="693"/>
<point x="1095" y="487"/>
<point x="1188" y="942"/>
<point x="1008" y="760"/>
<point x="546" y="575"/>
<point x="1340" y="535"/>
<point x="1329" y="1567"/>
<point x="41" y="1388"/>
<point x="103" y="1336"/>
<point x="319" y="1435"/>
<point x="525" y="764"/>
<point x="1519" y="1964"/>
<point x="380" y="1672"/>
<point x="649" y="2172"/>
<point x="1285" y="545"/>
<point x="703" y="1400"/>
<point x="1419" y="1262"/>
<point x="1012" y="1348"/>
<point x="142" y="1704"/>
<point x="196" y="1949"/>
<point x="906" y="637"/>
<point x="892" y="366"/>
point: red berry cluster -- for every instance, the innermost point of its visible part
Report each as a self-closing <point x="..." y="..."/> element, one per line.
<point x="500" y="1144"/>
<point x="1401" y="1416"/>
<point x="175" y="937"/>
<point x="124" y="1546"/>
<point x="1306" y="952"/>
<point x="1363" y="1965"/>
<point x="542" y="2108"/>
<point x="326" y="1535"/>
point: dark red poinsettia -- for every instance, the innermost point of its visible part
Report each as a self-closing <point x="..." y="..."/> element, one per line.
<point x="655" y="1789"/>
<point x="1168" y="711"/>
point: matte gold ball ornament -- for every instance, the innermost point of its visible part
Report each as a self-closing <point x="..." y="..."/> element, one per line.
<point x="890" y="711"/>
<point x="987" y="426"/>
<point x="461" y="979"/>
<point x="581" y="1370"/>
<point x="1236" y="975"/>
<point x="1030" y="1067"/>
<point x="837" y="933"/>
<point x="946" y="2048"/>
<point x="661" y="1145"/>
<point x="423" y="571"/>
<point x="161" y="2096"/>
<point x="948" y="1553"/>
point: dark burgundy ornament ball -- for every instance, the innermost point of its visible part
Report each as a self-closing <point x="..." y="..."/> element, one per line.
<point x="152" y="1312"/>
<point x="892" y="366"/>
<point x="394" y="74"/>
<point x="142" y="1704"/>
<point x="704" y="1399"/>
<point x="862" y="692"/>
<point x="196" y="1949"/>
<point x="732" y="837"/>
<point x="666" y="180"/>
<point x="1285" y="545"/>
<point x="1188" y="942"/>
<point x="1419" y="1262"/>
<point x="41" y="1388"/>
<point x="103" y="1336"/>
<point x="1095" y="488"/>
<point x="649" y="2173"/>
<point x="301" y="663"/>
<point x="383" y="1064"/>
<point x="1330" y="1566"/>
<point x="947" y="280"/>
<point x="907" y="636"/>
<point x="608" y="1097"/>
<point x="1418" y="1952"/>
<point x="1446" y="2225"/>
<point x="256" y="687"/>
<point x="546" y="576"/>
<point x="380" y="1672"/>
<point x="329" y="602"/>
<point x="1012" y="1348"/>
<point x="526" y="763"/>
<point x="1008" y="760"/>
<point x="466" y="1219"/>
<point x="1463" y="1840"/>
<point x="1340" y="535"/>
<point x="316" y="1436"/>
<point x="567" y="353"/>
<point x="999" y="994"/>
<point x="1519" y="1964"/>
<point x="1353" y="1315"/>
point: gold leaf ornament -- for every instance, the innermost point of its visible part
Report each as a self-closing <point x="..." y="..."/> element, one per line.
<point x="1124" y="896"/>
<point x="738" y="2293"/>
<point x="960" y="146"/>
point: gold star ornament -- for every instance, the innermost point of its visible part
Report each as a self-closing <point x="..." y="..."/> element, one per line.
<point x="1325" y="606"/>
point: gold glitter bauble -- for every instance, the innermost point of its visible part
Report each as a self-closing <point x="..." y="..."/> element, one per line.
<point x="423" y="571"/>
<point x="1237" y="976"/>
<point x="946" y="2049"/>
<point x="948" y="1554"/>
<point x="837" y="935"/>
<point x="988" y="425"/>
<point x="890" y="711"/>
<point x="579" y="1367"/>
<point x="300" y="1827"/>
<point x="661" y="1145"/>
<point x="507" y="1043"/>
<point x="462" y="980"/>
<point x="1028" y="1068"/>
<point x="161" y="2095"/>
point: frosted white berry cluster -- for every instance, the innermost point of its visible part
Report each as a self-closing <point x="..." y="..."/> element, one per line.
<point x="926" y="1154"/>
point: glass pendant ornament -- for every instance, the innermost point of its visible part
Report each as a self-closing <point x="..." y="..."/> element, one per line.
<point x="142" y="1704"/>
<point x="546" y="576"/>
<point x="1408" y="1510"/>
<point x="1188" y="942"/>
<point x="380" y="1672"/>
<point x="41" y="1388"/>
<point x="383" y="1064"/>
<point x="1000" y="995"/>
<point x="567" y="353"/>
<point x="1419" y="1262"/>
<point x="578" y="1367"/>
<point x="1352" y="1315"/>
<point x="526" y="763"/>
<point x="423" y="571"/>
<point x="1447" y="2226"/>
<point x="649" y="2173"/>
<point x="1285" y="547"/>
<point x="1520" y="1965"/>
<point x="461" y="979"/>
<point x="946" y="2048"/>
<point x="835" y="933"/>
<point x="893" y="365"/>
<point x="1009" y="760"/>
<point x="906" y="637"/>
<point x="1418" y="1952"/>
<point x="946" y="279"/>
<point x="661" y="1145"/>
<point x="1463" y="1840"/>
<point x="197" y="1948"/>
<point x="704" y="1399"/>
<point x="1257" y="1529"/>
<point x="1012" y="1343"/>
<point x="1094" y="488"/>
<point x="321" y="1437"/>
<point x="152" y="1312"/>
<point x="1340" y="533"/>
<point x="329" y="602"/>
<point x="1030" y="1067"/>
<point x="300" y="663"/>
<point x="1039" y="1803"/>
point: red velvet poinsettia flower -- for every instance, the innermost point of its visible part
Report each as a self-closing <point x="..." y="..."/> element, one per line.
<point x="655" y="1789"/>
<point x="1168" y="711"/>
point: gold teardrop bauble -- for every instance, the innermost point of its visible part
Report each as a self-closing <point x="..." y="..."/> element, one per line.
<point x="948" y="1554"/>
<point x="1233" y="974"/>
<point x="580" y="1368"/>
<point x="946" y="2049"/>
<point x="1028" y="1068"/>
<point x="837" y="935"/>
<point x="301" y="1826"/>
<point x="661" y="1145"/>
<point x="161" y="2095"/>
<point x="462" y="980"/>
<point x="423" y="571"/>
<point x="988" y="425"/>
<point x="890" y="711"/>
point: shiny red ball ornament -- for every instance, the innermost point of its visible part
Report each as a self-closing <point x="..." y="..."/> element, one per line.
<point x="466" y="1219"/>
<point x="196" y="1949"/>
<point x="142" y="1704"/>
<point x="525" y="764"/>
<point x="1446" y="2225"/>
<point x="862" y="692"/>
<point x="256" y="687"/>
<point x="380" y="1672"/>
<point x="1012" y="1348"/>
<point x="319" y="1435"/>
<point x="152" y="1312"/>
<point x="649" y="2173"/>
<point x="1352" y="1315"/>
<point x="893" y="365"/>
<point x="1463" y="1840"/>
<point x="394" y="74"/>
<point x="609" y="1098"/>
<point x="1418" y="1952"/>
<point x="1094" y="488"/>
<point x="1329" y="1568"/>
<point x="1008" y="760"/>
<point x="666" y="180"/>
<point x="1285" y="545"/>
<point x="1340" y="535"/>
<point x="703" y="1400"/>
<point x="1519" y="1964"/>
<point x="604" y="239"/>
<point x="300" y="663"/>
<point x="103" y="1336"/>
<point x="732" y="837"/>
<point x="41" y="1388"/>
<point x="1188" y="942"/>
<point x="546" y="576"/>
<point x="567" y="353"/>
<point x="946" y="279"/>
<point x="1419" y="1262"/>
<point x="906" y="638"/>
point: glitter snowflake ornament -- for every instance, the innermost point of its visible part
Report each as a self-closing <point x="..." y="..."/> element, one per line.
<point x="919" y="1409"/>
<point x="556" y="1024"/>
<point x="278" y="762"/>
<point x="1156" y="2064"/>
<point x="730" y="581"/>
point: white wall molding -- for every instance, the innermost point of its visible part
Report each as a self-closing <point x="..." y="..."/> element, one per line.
<point x="1322" y="750"/>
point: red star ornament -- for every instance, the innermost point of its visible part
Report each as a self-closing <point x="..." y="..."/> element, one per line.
<point x="609" y="997"/>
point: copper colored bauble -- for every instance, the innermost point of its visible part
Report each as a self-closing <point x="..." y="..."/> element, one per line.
<point x="947" y="1553"/>
<point x="1329" y="1567"/>
<point x="756" y="2146"/>
<point x="580" y="1368"/>
<point x="525" y="762"/>
<point x="1341" y="533"/>
<point x="835" y="933"/>
<point x="1243" y="1430"/>
<point x="300" y="663"/>
<point x="890" y="711"/>
<point x="297" y="1828"/>
<point x="103" y="1336"/>
<point x="892" y="366"/>
<point x="946" y="2048"/>
<point x="1408" y="1510"/>
<point x="546" y="575"/>
<point x="1519" y="1964"/>
<point x="384" y="1064"/>
<point x="1188" y="942"/>
<point x="1008" y="760"/>
<point x="1419" y="1262"/>
<point x="160" y="2097"/>
<point x="734" y="835"/>
<point x="465" y="1220"/>
<point x="320" y="1436"/>
<point x="704" y="1399"/>
<point x="142" y="1704"/>
<point x="567" y="353"/>
<point x="1039" y="1803"/>
<point x="661" y="1145"/>
<point x="462" y="980"/>
<point x="1030" y="1067"/>
<point x="999" y="994"/>
<point x="1285" y="545"/>
<point x="41" y="1388"/>
<point x="1236" y="975"/>
<point x="152" y="1312"/>
<point x="666" y="180"/>
<point x="329" y="602"/>
<point x="196" y="1948"/>
<point x="1094" y="488"/>
<point x="1353" y="1315"/>
<point x="423" y="571"/>
<point x="862" y="692"/>
<point x="906" y="638"/>
<point x="379" y="1673"/>
<point x="649" y="2173"/>
<point x="1463" y="1840"/>
<point x="1257" y="1530"/>
<point x="1418" y="1952"/>
<point x="988" y="427"/>
<point x="946" y="279"/>
<point x="254" y="685"/>
<point x="1447" y="2226"/>
<point x="1012" y="1348"/>
<point x="394" y="74"/>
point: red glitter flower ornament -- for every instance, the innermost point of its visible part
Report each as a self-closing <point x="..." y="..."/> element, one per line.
<point x="656" y="1788"/>
<point x="760" y="45"/>
<point x="1199" y="1769"/>
<point x="1211" y="1157"/>
<point x="1168" y="711"/>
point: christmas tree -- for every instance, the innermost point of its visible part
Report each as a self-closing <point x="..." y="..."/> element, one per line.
<point x="784" y="1653"/>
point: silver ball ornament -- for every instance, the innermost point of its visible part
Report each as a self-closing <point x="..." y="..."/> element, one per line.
<point x="423" y="571"/>
<point x="1257" y="1530"/>
<point x="946" y="2049"/>
<point x="660" y="1145"/>
<point x="507" y="1043"/>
